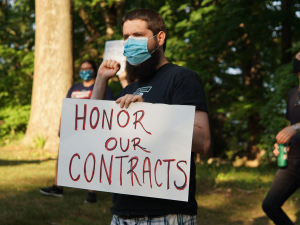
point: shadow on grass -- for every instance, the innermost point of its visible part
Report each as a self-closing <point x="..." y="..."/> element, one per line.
<point x="225" y="195"/>
<point x="297" y="222"/>
<point x="228" y="195"/>
<point x="19" y="162"/>
<point x="261" y="220"/>
<point x="33" y="208"/>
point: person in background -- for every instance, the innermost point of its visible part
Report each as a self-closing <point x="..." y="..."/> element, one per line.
<point x="287" y="180"/>
<point x="88" y="71"/>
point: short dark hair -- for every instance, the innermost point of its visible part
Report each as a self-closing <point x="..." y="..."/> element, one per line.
<point x="154" y="20"/>
<point x="93" y="64"/>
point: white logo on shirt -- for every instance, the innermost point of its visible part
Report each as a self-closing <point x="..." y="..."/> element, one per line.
<point x="142" y="90"/>
<point x="83" y="94"/>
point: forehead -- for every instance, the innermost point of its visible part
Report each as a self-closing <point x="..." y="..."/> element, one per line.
<point x="86" y="65"/>
<point x="135" y="26"/>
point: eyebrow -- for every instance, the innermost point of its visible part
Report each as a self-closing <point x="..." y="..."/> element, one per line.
<point x="134" y="34"/>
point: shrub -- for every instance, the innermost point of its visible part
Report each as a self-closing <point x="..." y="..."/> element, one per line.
<point x="13" y="120"/>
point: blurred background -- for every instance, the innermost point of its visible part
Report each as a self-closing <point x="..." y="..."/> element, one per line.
<point x="242" y="50"/>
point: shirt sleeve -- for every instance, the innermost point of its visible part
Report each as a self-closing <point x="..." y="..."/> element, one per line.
<point x="70" y="92"/>
<point x="189" y="90"/>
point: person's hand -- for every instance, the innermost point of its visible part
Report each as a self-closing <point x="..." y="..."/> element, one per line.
<point x="108" y="69"/>
<point x="284" y="135"/>
<point x="127" y="99"/>
<point x="298" y="56"/>
<point x="276" y="151"/>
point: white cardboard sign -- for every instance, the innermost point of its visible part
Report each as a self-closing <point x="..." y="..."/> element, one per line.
<point x="114" y="50"/>
<point x="144" y="150"/>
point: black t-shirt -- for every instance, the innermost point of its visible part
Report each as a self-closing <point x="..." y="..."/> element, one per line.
<point x="293" y="115"/>
<point x="171" y="84"/>
<point x="81" y="92"/>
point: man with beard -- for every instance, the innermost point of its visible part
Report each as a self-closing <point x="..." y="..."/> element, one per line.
<point x="159" y="81"/>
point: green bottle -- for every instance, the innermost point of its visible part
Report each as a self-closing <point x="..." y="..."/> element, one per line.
<point x="282" y="157"/>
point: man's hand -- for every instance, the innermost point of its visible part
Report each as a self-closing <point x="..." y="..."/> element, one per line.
<point x="276" y="149"/>
<point x="127" y="99"/>
<point x="298" y="56"/>
<point x="108" y="69"/>
<point x="284" y="135"/>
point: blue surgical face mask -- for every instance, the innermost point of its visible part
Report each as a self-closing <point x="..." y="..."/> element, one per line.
<point x="86" y="75"/>
<point x="136" y="50"/>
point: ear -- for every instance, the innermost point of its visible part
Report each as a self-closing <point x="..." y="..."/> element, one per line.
<point x="161" y="37"/>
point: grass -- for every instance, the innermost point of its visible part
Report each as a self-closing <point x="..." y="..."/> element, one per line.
<point x="225" y="195"/>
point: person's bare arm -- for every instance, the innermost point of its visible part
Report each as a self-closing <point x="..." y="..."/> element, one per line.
<point x="201" y="134"/>
<point x="107" y="69"/>
<point x="283" y="137"/>
<point x="285" y="134"/>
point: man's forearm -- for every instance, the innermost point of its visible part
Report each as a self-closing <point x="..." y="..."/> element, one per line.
<point x="201" y="133"/>
<point x="100" y="87"/>
<point x="201" y="140"/>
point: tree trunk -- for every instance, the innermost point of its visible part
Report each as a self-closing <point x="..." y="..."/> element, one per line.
<point x="286" y="42"/>
<point x="253" y="87"/>
<point x="53" y="70"/>
<point x="112" y="15"/>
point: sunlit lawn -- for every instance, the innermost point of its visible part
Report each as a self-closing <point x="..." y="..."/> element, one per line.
<point x="225" y="195"/>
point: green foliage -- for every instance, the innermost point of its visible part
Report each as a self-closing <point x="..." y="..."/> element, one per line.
<point x="16" y="67"/>
<point x="16" y="52"/>
<point x="13" y="120"/>
<point x="212" y="37"/>
<point x="246" y="109"/>
<point x="115" y="85"/>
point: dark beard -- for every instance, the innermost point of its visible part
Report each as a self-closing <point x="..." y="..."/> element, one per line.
<point x="145" y="70"/>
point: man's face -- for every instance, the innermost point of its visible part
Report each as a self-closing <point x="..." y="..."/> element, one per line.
<point x="145" y="70"/>
<point x="86" y="66"/>
<point x="138" y="28"/>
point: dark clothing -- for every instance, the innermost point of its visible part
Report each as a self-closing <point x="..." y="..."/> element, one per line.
<point x="285" y="183"/>
<point x="171" y="84"/>
<point x="293" y="115"/>
<point x="287" y="180"/>
<point x="81" y="92"/>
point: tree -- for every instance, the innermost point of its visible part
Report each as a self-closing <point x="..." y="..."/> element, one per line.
<point x="53" y="69"/>
<point x="16" y="66"/>
<point x="214" y="36"/>
<point x="211" y="37"/>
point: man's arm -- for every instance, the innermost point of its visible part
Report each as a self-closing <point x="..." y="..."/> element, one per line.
<point x="107" y="69"/>
<point x="285" y="134"/>
<point x="201" y="134"/>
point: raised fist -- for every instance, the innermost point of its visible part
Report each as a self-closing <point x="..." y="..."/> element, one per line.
<point x="108" y="69"/>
